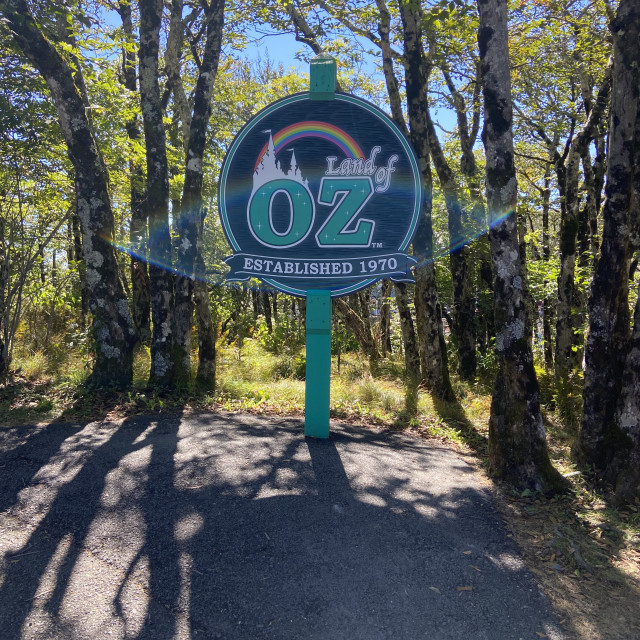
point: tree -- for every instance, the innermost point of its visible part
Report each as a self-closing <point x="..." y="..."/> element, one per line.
<point x="22" y="245"/>
<point x="172" y="291"/>
<point x="138" y="231"/>
<point x="555" y="94"/>
<point x="112" y="328"/>
<point x="609" y="438"/>
<point x="360" y="20"/>
<point x="32" y="200"/>
<point x="428" y="313"/>
<point x="157" y="195"/>
<point x="517" y="444"/>
<point x="189" y="218"/>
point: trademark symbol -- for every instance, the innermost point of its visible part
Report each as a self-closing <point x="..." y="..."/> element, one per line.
<point x="376" y="245"/>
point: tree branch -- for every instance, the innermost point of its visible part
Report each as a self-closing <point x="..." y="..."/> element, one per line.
<point x="365" y="33"/>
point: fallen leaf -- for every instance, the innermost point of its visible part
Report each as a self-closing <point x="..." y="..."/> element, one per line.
<point x="467" y="553"/>
<point x="476" y="568"/>
<point x="465" y="588"/>
<point x="541" y="635"/>
<point x="435" y="589"/>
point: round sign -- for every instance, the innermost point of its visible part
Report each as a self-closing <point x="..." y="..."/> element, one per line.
<point x="320" y="195"/>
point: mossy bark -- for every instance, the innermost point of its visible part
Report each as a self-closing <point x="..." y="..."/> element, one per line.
<point x="411" y="354"/>
<point x="568" y="308"/>
<point x="385" y="318"/>
<point x="625" y="468"/>
<point x="463" y="327"/>
<point x="138" y="232"/>
<point x="188" y="219"/>
<point x="157" y="195"/>
<point x="433" y="354"/>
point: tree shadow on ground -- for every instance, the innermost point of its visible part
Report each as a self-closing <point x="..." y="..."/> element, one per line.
<point x="238" y="528"/>
<point x="453" y="414"/>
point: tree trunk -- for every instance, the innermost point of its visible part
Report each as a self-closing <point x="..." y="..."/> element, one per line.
<point x="172" y="55"/>
<point x="81" y="267"/>
<point x="188" y="219"/>
<point x="157" y="195"/>
<point x="266" y="306"/>
<point x="476" y="226"/>
<point x="546" y="255"/>
<point x="517" y="445"/>
<point x="433" y="354"/>
<point x="411" y="353"/>
<point x="393" y="89"/>
<point x="626" y="465"/>
<point x="431" y="342"/>
<point x="360" y="330"/>
<point x="112" y="328"/>
<point x="607" y="431"/>
<point x="138" y="235"/>
<point x="568" y="300"/>
<point x="206" y="375"/>
<point x="463" y="329"/>
<point x="255" y="303"/>
<point x="363" y="298"/>
<point x="385" y="318"/>
<point x="5" y="361"/>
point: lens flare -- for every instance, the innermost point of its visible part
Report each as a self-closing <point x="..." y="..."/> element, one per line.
<point x="474" y="230"/>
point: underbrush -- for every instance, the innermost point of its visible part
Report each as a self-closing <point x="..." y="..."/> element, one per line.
<point x="256" y="379"/>
<point x="250" y="378"/>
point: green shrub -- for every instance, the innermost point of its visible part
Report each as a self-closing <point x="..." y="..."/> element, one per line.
<point x="294" y="367"/>
<point x="285" y="338"/>
<point x="33" y="367"/>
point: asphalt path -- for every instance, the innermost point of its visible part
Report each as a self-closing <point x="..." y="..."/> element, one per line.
<point x="230" y="526"/>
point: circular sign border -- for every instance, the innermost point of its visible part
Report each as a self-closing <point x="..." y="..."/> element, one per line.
<point x="345" y="97"/>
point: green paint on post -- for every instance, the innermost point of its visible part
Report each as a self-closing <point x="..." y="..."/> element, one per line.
<point x="322" y="81"/>
<point x="318" y="374"/>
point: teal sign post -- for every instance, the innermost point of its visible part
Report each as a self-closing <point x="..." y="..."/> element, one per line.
<point x="320" y="196"/>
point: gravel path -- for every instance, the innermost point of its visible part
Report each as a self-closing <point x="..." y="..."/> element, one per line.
<point x="229" y="526"/>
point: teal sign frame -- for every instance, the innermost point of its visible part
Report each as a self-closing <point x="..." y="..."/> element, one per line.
<point x="319" y="194"/>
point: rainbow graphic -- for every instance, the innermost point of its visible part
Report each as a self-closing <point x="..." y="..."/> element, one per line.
<point x="314" y="129"/>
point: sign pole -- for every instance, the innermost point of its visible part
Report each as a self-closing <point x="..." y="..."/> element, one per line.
<point x="322" y="85"/>
<point x="318" y="373"/>
<point x="320" y="196"/>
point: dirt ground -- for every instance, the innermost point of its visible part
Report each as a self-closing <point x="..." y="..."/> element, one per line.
<point x="582" y="557"/>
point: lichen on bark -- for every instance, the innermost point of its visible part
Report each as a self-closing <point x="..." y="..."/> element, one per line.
<point x="517" y="444"/>
<point x="609" y="440"/>
<point x="113" y="331"/>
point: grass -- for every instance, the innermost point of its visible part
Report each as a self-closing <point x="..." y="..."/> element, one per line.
<point x="585" y="552"/>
